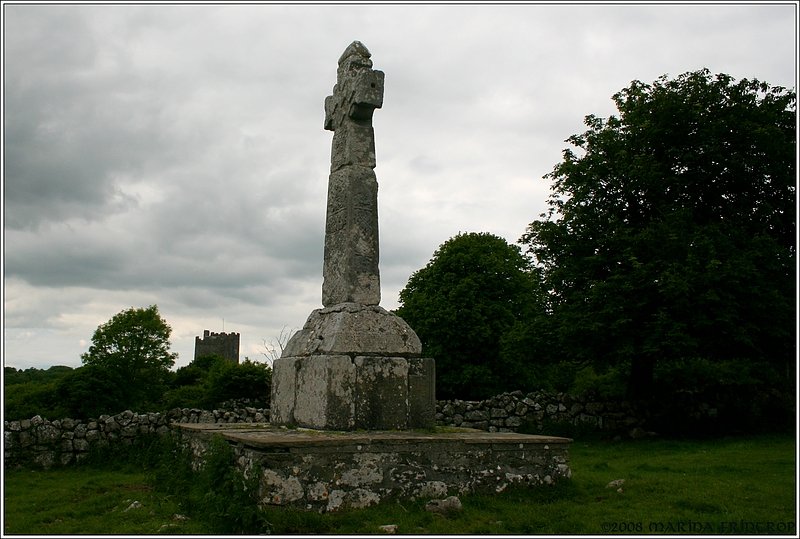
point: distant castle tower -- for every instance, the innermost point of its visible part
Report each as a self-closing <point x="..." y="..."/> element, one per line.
<point x="218" y="344"/>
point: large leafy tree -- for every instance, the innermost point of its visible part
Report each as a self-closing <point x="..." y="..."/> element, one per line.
<point x="671" y="231"/>
<point x="471" y="293"/>
<point x="134" y="345"/>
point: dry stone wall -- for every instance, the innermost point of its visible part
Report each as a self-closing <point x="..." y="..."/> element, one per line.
<point x="535" y="412"/>
<point x="42" y="442"/>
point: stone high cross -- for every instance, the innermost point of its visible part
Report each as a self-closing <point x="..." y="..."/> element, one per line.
<point x="350" y="269"/>
<point x="354" y="365"/>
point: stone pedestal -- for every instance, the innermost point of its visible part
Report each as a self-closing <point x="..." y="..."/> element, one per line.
<point x="354" y="367"/>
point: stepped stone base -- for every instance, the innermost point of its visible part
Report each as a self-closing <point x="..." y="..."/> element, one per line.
<point x="341" y="392"/>
<point x="352" y="367"/>
<point x="327" y="471"/>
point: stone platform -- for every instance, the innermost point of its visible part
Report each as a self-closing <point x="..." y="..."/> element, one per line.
<point x="331" y="470"/>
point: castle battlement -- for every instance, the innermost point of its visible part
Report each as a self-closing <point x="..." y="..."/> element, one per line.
<point x="217" y="344"/>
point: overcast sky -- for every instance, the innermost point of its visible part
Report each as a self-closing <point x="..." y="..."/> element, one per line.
<point x="175" y="154"/>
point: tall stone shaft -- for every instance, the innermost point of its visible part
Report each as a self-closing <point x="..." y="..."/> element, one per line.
<point x="353" y="365"/>
<point x="350" y="270"/>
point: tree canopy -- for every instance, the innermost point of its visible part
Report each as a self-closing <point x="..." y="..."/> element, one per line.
<point x="134" y="345"/>
<point x="461" y="304"/>
<point x="670" y="234"/>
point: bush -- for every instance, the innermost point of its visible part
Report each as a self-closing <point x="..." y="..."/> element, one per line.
<point x="189" y="396"/>
<point x="474" y="290"/>
<point x="209" y="381"/>
<point x="23" y="401"/>
<point x="91" y="391"/>
<point x="31" y="392"/>
<point x="609" y="385"/>
<point x="247" y="380"/>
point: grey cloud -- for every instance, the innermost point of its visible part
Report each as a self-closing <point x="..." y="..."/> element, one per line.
<point x="175" y="153"/>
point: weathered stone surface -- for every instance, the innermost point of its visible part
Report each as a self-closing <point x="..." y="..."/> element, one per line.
<point x="357" y="93"/>
<point x="432" y="489"/>
<point x="47" y="433"/>
<point x="537" y="409"/>
<point x="313" y="390"/>
<point x="451" y="504"/>
<point x="329" y="471"/>
<point x="282" y="398"/>
<point x="351" y="254"/>
<point x="350" y="270"/>
<point x="278" y="489"/>
<point x="382" y="392"/>
<point x="422" y="392"/>
<point x="324" y="394"/>
<point x="80" y="444"/>
<point x="351" y="328"/>
<point x="365" y="392"/>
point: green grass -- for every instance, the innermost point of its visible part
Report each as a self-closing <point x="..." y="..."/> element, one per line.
<point x="670" y="486"/>
<point x="84" y="499"/>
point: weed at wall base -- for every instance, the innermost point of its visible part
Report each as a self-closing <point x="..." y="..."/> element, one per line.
<point x="217" y="493"/>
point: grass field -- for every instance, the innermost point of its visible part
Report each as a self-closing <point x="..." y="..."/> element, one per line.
<point x="736" y="486"/>
<point x="89" y="500"/>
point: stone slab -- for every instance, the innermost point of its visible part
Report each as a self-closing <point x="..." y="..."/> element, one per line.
<point x="329" y="470"/>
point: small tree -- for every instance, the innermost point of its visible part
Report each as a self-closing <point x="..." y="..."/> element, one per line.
<point x="274" y="347"/>
<point x="473" y="291"/>
<point x="134" y="345"/>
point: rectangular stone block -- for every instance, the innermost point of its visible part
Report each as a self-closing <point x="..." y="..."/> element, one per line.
<point x="340" y="414"/>
<point x="311" y="391"/>
<point x="382" y="391"/>
<point x="282" y="392"/>
<point x="421" y="392"/>
<point x="324" y="392"/>
<point x="337" y="392"/>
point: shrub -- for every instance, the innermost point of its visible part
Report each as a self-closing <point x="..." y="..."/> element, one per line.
<point x="608" y="385"/>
